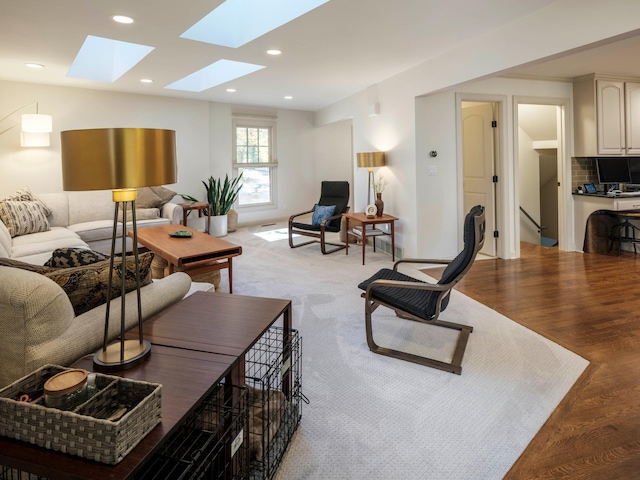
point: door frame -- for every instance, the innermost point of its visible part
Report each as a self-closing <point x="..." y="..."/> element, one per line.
<point x="566" y="241"/>
<point x="503" y="207"/>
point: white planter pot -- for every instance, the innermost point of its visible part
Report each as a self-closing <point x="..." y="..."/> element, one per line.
<point x="218" y="226"/>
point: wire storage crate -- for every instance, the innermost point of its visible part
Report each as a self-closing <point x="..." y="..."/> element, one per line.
<point x="7" y="473"/>
<point x="274" y="397"/>
<point x="211" y="443"/>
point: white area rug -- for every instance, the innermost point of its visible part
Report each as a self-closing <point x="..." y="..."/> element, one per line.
<point x="373" y="417"/>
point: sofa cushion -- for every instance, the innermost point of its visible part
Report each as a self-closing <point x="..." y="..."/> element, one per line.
<point x="44" y="242"/>
<point x="22" y="217"/>
<point x="5" y="240"/>
<point x="86" y="286"/>
<point x="96" y="230"/>
<point x="25" y="195"/>
<point x="74" y="257"/>
<point x="141" y="214"/>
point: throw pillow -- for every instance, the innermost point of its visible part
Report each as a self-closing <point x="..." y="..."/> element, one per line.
<point x="322" y="212"/>
<point x="74" y="257"/>
<point x="147" y="198"/>
<point x="23" y="217"/>
<point x="86" y="286"/>
<point x="25" y="195"/>
<point x="164" y="193"/>
<point x="141" y="214"/>
<point x="7" y="262"/>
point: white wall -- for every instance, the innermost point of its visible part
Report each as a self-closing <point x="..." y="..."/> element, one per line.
<point x="333" y="156"/>
<point x="203" y="137"/>
<point x="409" y="126"/>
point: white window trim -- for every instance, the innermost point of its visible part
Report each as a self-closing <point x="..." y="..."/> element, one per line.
<point x="250" y="121"/>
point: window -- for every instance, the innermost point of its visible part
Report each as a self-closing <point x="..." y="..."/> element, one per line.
<point x="254" y="158"/>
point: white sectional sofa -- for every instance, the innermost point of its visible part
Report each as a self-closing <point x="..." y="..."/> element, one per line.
<point x="80" y="219"/>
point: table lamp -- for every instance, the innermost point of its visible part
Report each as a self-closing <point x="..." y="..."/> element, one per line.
<point x="121" y="160"/>
<point x="370" y="160"/>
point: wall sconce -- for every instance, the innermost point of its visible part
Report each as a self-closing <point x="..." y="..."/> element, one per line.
<point x="35" y="127"/>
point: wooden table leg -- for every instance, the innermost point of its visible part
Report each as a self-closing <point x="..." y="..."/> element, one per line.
<point x="364" y="240"/>
<point x="230" y="275"/>
<point x="286" y="351"/>
<point x="346" y="237"/>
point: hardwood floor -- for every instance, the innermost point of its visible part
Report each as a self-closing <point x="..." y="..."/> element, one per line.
<point x="590" y="304"/>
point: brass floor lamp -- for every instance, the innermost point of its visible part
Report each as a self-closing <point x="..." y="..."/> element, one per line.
<point x="121" y="160"/>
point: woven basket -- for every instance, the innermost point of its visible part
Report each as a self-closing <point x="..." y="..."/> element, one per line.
<point x="83" y="432"/>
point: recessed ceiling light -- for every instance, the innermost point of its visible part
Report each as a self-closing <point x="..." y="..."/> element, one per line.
<point x="232" y="23"/>
<point x="146" y="80"/>
<point x="34" y="65"/>
<point x="274" y="52"/>
<point x="231" y="90"/>
<point x="288" y="97"/>
<point x="122" y="19"/>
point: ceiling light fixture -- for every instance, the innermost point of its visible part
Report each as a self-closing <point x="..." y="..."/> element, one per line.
<point x="231" y="90"/>
<point x="122" y="19"/>
<point x="288" y="97"/>
<point x="274" y="52"/>
<point x="34" y="65"/>
<point x="146" y="80"/>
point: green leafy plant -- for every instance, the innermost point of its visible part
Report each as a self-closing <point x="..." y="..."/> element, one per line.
<point x="221" y="195"/>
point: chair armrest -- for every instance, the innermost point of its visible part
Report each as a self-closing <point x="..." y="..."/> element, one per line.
<point x="329" y="219"/>
<point x="420" y="260"/>
<point x="300" y="214"/>
<point x="402" y="284"/>
<point x="173" y="212"/>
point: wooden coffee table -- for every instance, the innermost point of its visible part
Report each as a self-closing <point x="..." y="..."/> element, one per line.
<point x="195" y="255"/>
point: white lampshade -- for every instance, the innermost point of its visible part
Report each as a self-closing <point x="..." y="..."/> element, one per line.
<point x="34" y="139"/>
<point x="35" y="122"/>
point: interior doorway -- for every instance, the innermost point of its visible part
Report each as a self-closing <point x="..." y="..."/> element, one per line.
<point x="538" y="141"/>
<point x="479" y="154"/>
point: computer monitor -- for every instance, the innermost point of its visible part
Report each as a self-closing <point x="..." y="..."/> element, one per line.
<point x="634" y="169"/>
<point x="613" y="170"/>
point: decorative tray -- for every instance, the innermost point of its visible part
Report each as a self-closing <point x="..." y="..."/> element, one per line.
<point x="84" y="431"/>
<point x="181" y="234"/>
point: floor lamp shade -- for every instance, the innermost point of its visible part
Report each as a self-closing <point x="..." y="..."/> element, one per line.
<point x="121" y="160"/>
<point x="370" y="160"/>
<point x="110" y="158"/>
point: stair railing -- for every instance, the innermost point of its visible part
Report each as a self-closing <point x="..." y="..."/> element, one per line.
<point x="539" y="227"/>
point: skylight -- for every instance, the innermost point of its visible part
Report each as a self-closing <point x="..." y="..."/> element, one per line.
<point x="215" y="74"/>
<point x="236" y="22"/>
<point x="106" y="60"/>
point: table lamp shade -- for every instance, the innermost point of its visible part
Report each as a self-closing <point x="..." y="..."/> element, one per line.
<point x="115" y="158"/>
<point x="371" y="159"/>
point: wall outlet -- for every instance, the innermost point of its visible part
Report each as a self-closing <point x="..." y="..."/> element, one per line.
<point x="433" y="170"/>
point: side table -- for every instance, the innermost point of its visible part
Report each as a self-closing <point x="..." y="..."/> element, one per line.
<point x="362" y="218"/>
<point x="199" y="206"/>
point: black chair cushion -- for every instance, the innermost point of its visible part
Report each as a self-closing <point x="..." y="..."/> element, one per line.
<point x="315" y="228"/>
<point x="421" y="303"/>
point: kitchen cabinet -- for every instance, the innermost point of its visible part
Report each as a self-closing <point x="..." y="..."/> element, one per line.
<point x="606" y="113"/>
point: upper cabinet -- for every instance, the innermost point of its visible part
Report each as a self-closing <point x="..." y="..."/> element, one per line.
<point x="606" y="113"/>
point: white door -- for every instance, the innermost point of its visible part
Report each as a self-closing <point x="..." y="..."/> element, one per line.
<point x="478" y="165"/>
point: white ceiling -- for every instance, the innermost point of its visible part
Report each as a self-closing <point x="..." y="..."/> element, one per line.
<point x="338" y="49"/>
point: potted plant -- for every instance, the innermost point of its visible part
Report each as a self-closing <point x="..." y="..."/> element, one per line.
<point x="220" y="196"/>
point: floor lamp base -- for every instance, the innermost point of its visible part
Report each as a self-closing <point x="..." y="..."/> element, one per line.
<point x="109" y="360"/>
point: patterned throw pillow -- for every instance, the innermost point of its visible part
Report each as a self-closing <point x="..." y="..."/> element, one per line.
<point x="147" y="198"/>
<point x="23" y="217"/>
<point x="86" y="286"/>
<point x="25" y="195"/>
<point x="74" y="257"/>
<point x="322" y="212"/>
<point x="7" y="262"/>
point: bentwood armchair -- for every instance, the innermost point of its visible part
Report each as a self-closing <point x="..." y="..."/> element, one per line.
<point x="420" y="301"/>
<point x="327" y="216"/>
